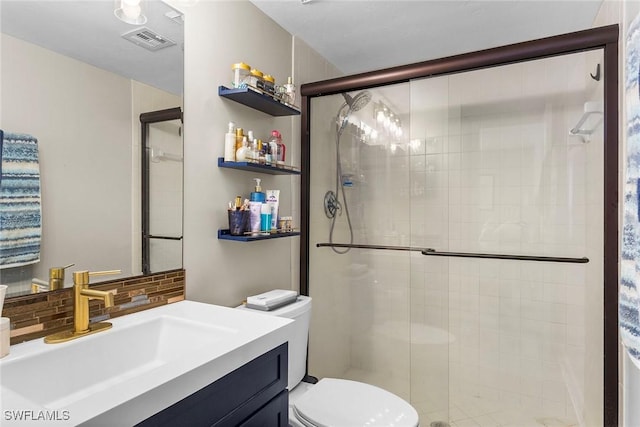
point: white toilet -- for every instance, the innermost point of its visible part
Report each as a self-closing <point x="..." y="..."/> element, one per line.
<point x="334" y="402"/>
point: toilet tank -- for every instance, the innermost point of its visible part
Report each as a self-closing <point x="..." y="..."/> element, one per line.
<point x="300" y="312"/>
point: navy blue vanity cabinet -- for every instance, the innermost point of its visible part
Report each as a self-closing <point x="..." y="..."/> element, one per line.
<point x="253" y="395"/>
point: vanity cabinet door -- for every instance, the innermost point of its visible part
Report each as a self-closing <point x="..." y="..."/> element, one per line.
<point x="273" y="414"/>
<point x="235" y="398"/>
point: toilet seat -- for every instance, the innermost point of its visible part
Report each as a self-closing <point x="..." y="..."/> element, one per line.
<point x="339" y="403"/>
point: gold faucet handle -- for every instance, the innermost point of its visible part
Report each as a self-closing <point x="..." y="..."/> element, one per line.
<point x="58" y="272"/>
<point x="82" y="277"/>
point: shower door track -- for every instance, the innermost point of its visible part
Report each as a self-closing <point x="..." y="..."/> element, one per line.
<point x="433" y="252"/>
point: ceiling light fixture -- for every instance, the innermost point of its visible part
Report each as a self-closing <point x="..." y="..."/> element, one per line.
<point x="130" y="11"/>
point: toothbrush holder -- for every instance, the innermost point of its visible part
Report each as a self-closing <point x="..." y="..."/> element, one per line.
<point x="238" y="222"/>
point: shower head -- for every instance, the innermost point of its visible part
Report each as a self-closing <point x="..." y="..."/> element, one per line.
<point x="351" y="104"/>
<point x="359" y="101"/>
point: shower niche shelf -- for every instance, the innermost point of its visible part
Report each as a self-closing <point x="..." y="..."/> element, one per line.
<point x="256" y="167"/>
<point x="225" y="235"/>
<point x="258" y="101"/>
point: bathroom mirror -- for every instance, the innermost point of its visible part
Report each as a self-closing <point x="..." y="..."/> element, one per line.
<point x="71" y="79"/>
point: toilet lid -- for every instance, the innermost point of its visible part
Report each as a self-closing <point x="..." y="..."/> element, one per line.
<point x="335" y="403"/>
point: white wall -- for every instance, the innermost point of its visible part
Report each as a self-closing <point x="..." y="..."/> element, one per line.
<point x="225" y="272"/>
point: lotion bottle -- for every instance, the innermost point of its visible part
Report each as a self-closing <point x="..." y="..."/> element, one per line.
<point x="230" y="144"/>
<point x="243" y="152"/>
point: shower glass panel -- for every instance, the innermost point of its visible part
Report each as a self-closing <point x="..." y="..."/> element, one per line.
<point x="505" y="160"/>
<point x="165" y="195"/>
<point x="360" y="322"/>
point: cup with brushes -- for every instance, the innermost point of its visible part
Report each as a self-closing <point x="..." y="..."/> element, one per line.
<point x="238" y="216"/>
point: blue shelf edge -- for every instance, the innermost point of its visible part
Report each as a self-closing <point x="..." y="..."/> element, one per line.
<point x="224" y="235"/>
<point x="256" y="167"/>
<point x="258" y="101"/>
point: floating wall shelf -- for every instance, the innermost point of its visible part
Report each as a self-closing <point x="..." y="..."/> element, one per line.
<point x="258" y="101"/>
<point x="256" y="167"/>
<point x="224" y="235"/>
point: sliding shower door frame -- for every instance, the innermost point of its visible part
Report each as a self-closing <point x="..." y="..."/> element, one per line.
<point x="605" y="38"/>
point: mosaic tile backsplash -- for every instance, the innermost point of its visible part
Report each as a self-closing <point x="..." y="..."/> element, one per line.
<point x="35" y="316"/>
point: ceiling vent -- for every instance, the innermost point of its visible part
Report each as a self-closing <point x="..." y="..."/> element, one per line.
<point x="148" y="39"/>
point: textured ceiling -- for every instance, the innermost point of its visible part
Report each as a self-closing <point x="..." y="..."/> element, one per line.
<point x="354" y="35"/>
<point x="87" y="30"/>
<point x="358" y="36"/>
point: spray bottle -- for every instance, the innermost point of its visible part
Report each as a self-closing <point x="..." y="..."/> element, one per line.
<point x="230" y="144"/>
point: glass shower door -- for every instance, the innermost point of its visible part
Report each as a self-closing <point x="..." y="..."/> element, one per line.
<point x="360" y="322"/>
<point x="512" y="164"/>
<point x="503" y="161"/>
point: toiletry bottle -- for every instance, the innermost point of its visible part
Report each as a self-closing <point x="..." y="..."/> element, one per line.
<point x="269" y="84"/>
<point x="273" y="146"/>
<point x="265" y="219"/>
<point x="257" y="198"/>
<point x="269" y="155"/>
<point x="290" y="90"/>
<point x="255" y="210"/>
<point x="281" y="150"/>
<point x="250" y="157"/>
<point x="243" y="152"/>
<point x="240" y="74"/>
<point x="257" y="195"/>
<point x="272" y="201"/>
<point x="239" y="135"/>
<point x="256" y="79"/>
<point x="230" y="143"/>
<point x="261" y="152"/>
<point x="255" y="154"/>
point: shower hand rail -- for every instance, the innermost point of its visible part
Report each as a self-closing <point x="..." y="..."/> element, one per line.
<point x="151" y="236"/>
<point x="363" y="246"/>
<point x="433" y="252"/>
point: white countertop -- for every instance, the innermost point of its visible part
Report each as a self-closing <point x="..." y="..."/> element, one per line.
<point x="130" y="397"/>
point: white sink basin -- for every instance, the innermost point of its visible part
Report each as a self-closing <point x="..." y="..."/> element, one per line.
<point x="96" y="362"/>
<point x="146" y="362"/>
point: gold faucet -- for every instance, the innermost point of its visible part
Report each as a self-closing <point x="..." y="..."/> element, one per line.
<point x="56" y="277"/>
<point x="56" y="280"/>
<point x="81" y="296"/>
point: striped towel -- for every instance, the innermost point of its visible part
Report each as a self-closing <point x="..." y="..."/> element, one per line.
<point x="629" y="302"/>
<point x="20" y="209"/>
